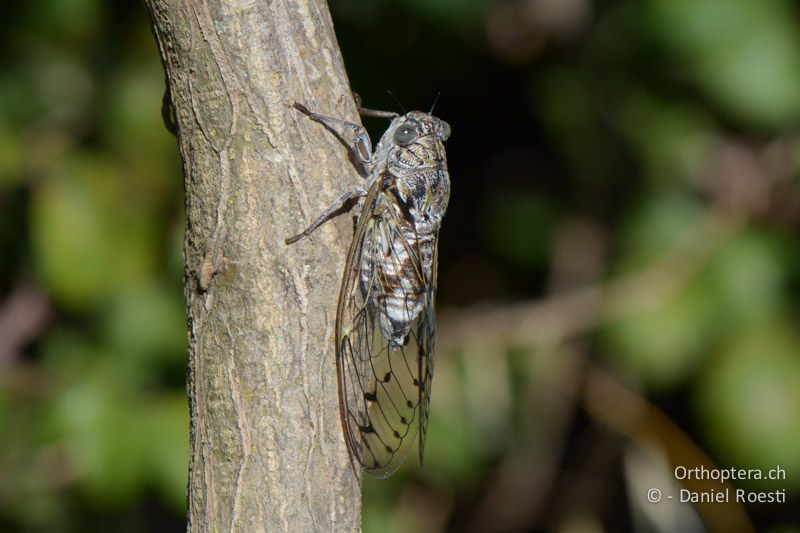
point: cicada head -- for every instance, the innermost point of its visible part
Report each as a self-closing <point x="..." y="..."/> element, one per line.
<point x="414" y="141"/>
<point x="417" y="125"/>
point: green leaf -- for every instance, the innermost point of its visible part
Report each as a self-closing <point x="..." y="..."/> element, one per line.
<point x="147" y="323"/>
<point x="656" y="224"/>
<point x="743" y="54"/>
<point x="517" y="227"/>
<point x="672" y="139"/>
<point x="749" y="401"/>
<point x="751" y="275"/>
<point x="664" y="345"/>
<point x="88" y="237"/>
<point x="167" y="447"/>
<point x="104" y="435"/>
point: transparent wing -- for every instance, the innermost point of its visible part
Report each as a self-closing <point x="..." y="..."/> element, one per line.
<point x="385" y="329"/>
<point x="425" y="341"/>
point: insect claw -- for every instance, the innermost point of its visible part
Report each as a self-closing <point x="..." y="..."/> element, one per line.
<point x="303" y="109"/>
<point x="293" y="239"/>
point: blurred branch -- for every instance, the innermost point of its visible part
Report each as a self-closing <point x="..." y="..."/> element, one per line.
<point x="564" y="316"/>
<point x="741" y="182"/>
<point x="266" y="447"/>
<point x="23" y="316"/>
<point x="630" y="414"/>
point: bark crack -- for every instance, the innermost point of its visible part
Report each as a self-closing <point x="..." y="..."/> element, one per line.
<point x="222" y="63"/>
<point x="242" y="424"/>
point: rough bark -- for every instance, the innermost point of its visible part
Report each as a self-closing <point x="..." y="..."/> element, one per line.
<point x="266" y="447"/>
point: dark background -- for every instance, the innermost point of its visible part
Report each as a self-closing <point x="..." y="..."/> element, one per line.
<point x="625" y="206"/>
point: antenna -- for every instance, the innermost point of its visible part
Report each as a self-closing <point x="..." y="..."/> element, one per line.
<point x="435" y="100"/>
<point x="403" y="109"/>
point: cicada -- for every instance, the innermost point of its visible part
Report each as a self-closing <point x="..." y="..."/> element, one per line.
<point x="385" y="319"/>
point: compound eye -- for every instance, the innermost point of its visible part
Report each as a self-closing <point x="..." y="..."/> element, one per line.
<point x="445" y="130"/>
<point x="405" y="134"/>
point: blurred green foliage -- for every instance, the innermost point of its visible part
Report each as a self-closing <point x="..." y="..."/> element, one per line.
<point x="669" y="128"/>
<point x="93" y="423"/>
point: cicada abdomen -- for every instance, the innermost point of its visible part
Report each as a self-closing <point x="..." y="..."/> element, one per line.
<point x="385" y="323"/>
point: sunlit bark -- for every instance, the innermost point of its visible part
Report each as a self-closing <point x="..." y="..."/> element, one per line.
<point x="267" y="452"/>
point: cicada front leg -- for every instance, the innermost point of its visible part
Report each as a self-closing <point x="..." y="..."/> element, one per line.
<point x="366" y="112"/>
<point x="358" y="145"/>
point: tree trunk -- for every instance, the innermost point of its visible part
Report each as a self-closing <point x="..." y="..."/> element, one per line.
<point x="266" y="447"/>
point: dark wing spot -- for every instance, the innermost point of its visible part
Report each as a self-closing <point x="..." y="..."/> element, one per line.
<point x="387" y="377"/>
<point x="389" y="449"/>
<point x="409" y="404"/>
<point x="370" y="396"/>
<point x="403" y="420"/>
<point x="397" y="434"/>
<point x="367" y="429"/>
<point x="416" y="382"/>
